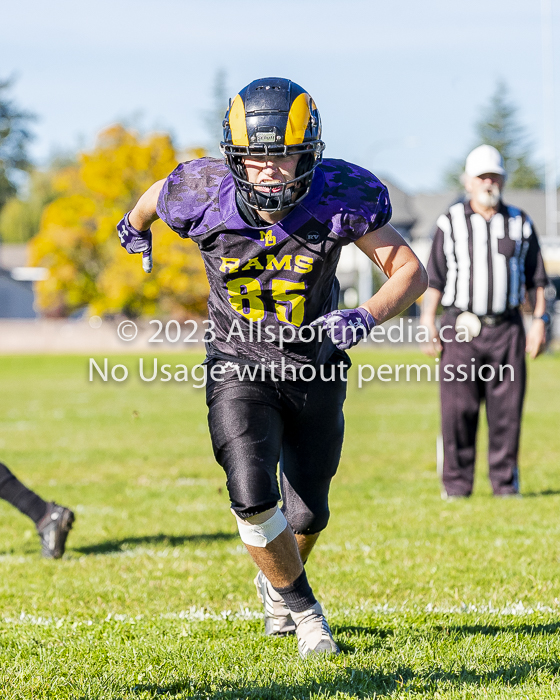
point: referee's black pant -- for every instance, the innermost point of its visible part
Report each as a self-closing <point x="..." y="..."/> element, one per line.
<point x="496" y="346"/>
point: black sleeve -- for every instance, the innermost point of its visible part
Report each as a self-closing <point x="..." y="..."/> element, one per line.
<point x="437" y="264"/>
<point x="535" y="274"/>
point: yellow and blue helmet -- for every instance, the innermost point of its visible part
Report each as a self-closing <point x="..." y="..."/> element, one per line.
<point x="272" y="117"/>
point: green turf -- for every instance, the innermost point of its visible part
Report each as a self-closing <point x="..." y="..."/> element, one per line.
<point x="154" y="598"/>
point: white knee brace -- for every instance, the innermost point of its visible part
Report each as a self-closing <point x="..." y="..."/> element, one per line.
<point x="260" y="535"/>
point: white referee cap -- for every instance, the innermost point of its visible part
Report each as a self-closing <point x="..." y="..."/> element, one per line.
<point x="484" y="159"/>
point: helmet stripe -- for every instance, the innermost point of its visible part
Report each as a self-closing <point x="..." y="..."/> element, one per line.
<point x="237" y="123"/>
<point x="298" y="119"/>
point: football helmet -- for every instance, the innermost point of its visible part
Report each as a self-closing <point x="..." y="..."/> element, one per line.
<point x="272" y="117"/>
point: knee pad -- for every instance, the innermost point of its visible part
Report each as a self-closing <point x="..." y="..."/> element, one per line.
<point x="305" y="522"/>
<point x="262" y="534"/>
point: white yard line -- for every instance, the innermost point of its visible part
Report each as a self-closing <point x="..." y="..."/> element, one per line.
<point x="202" y="614"/>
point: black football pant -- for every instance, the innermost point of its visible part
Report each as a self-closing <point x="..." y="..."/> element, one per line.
<point x="256" y="425"/>
<point x="25" y="500"/>
<point x="496" y="346"/>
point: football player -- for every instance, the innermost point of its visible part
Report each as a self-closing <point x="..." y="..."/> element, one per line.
<point x="53" y="522"/>
<point x="270" y="220"/>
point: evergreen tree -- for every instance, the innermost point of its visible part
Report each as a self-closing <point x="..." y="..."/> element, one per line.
<point x="14" y="138"/>
<point x="499" y="127"/>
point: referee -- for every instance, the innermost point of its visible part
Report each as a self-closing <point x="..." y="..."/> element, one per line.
<point x="485" y="256"/>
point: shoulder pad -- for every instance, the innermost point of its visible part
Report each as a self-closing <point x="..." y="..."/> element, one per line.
<point x="354" y="199"/>
<point x="190" y="194"/>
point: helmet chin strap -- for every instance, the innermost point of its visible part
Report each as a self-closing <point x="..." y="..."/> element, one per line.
<point x="270" y="202"/>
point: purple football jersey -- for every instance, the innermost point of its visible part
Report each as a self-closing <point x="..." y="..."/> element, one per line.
<point x="268" y="282"/>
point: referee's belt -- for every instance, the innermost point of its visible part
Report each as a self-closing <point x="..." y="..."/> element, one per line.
<point x="491" y="320"/>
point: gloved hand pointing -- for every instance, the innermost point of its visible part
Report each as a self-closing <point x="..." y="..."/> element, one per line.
<point x="134" y="241"/>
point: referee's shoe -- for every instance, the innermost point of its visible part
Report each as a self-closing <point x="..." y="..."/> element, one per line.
<point x="53" y="529"/>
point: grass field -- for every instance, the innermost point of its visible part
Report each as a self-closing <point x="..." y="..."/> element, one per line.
<point x="154" y="598"/>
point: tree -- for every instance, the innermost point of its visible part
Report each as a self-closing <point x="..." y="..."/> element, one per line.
<point x="20" y="218"/>
<point x="14" y="139"/>
<point x="78" y="243"/>
<point x="499" y="127"/>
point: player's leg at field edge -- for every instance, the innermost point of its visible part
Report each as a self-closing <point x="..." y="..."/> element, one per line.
<point x="16" y="494"/>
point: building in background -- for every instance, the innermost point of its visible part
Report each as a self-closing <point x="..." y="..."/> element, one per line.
<point x="414" y="217"/>
<point x="16" y="282"/>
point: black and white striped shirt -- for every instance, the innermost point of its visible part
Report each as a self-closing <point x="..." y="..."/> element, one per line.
<point x="485" y="266"/>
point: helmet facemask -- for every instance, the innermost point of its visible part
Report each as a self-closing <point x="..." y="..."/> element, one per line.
<point x="272" y="117"/>
<point x="292" y="192"/>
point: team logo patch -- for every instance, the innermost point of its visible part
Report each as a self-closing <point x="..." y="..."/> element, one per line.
<point x="313" y="237"/>
<point x="268" y="237"/>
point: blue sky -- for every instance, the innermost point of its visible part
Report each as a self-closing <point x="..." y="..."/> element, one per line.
<point x="399" y="84"/>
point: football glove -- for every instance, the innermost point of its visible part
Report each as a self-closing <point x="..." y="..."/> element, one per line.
<point x="346" y="327"/>
<point x="134" y="241"/>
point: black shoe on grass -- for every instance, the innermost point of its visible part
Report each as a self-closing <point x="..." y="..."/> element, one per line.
<point x="53" y="529"/>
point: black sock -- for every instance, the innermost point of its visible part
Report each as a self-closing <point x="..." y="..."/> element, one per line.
<point x="298" y="596"/>
<point x="26" y="501"/>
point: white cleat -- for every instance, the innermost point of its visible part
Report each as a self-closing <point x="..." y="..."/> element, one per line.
<point x="277" y="615"/>
<point x="313" y="633"/>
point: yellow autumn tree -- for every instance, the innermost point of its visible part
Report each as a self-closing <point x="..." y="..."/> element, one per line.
<point x="78" y="243"/>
